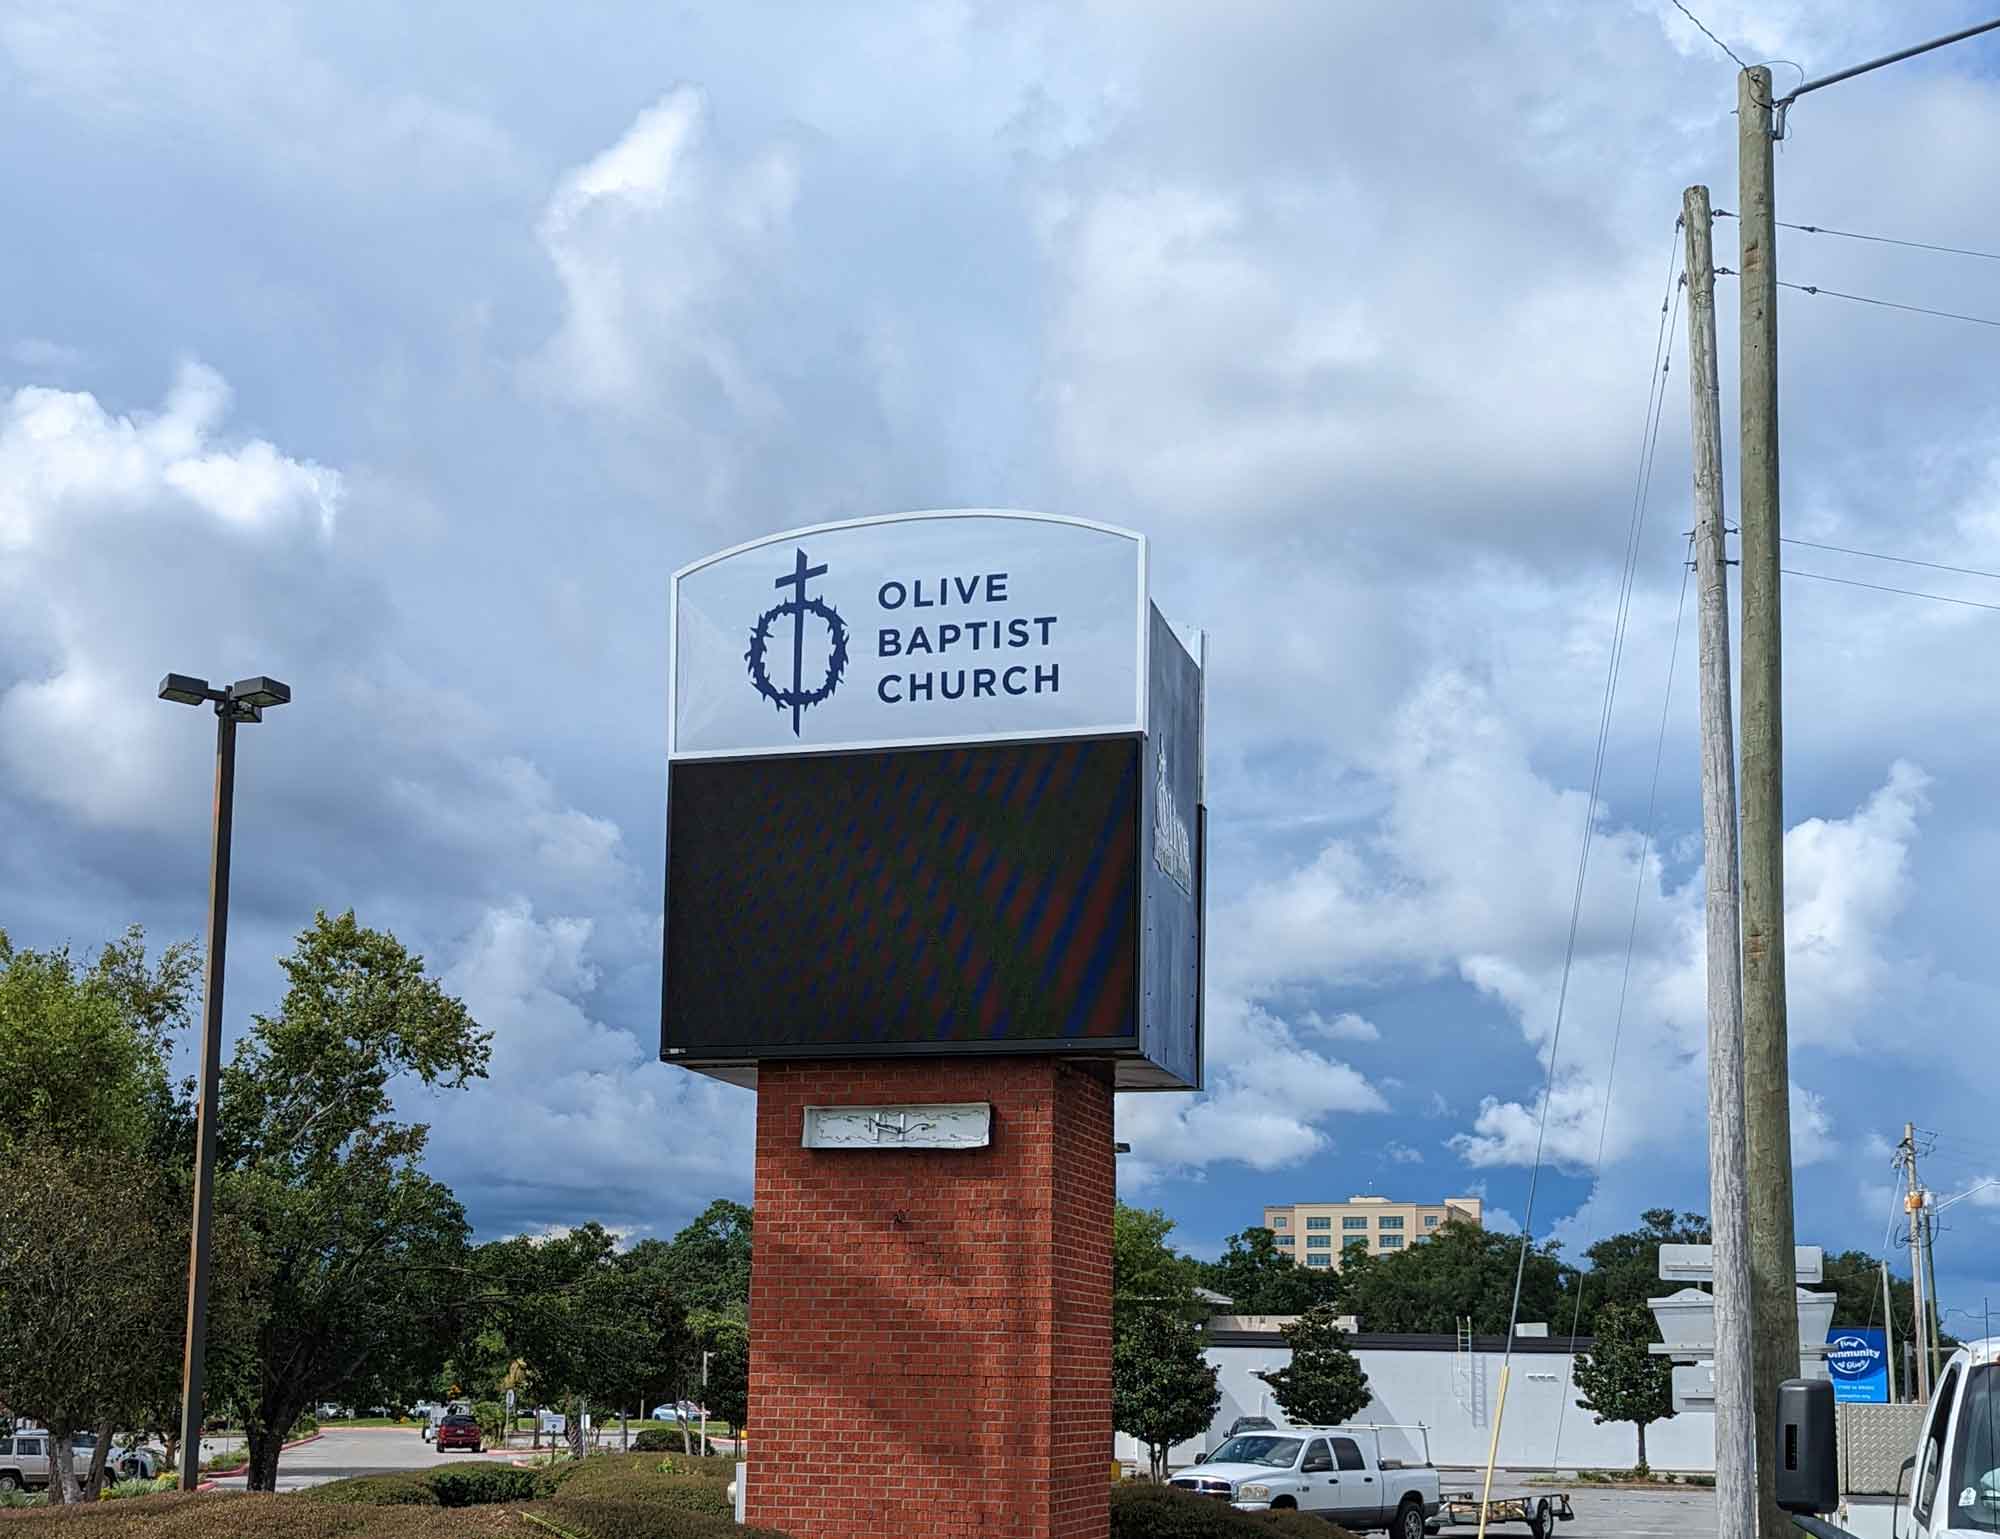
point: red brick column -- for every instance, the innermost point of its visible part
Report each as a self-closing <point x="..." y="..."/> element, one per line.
<point x="930" y="1330"/>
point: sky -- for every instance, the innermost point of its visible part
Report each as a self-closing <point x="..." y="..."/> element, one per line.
<point x="402" y="355"/>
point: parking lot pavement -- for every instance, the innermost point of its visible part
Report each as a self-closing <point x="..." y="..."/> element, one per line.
<point x="335" y="1455"/>
<point x="1603" y="1513"/>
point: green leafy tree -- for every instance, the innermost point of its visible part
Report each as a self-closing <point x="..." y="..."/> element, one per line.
<point x="1323" y="1385"/>
<point x="88" y="1111"/>
<point x="1619" y="1379"/>
<point x="1625" y="1268"/>
<point x="1258" y="1278"/>
<point x="366" y="1257"/>
<point x="79" y="1077"/>
<point x="1855" y="1279"/>
<point x="93" y="1262"/>
<point x="726" y="1339"/>
<point x="1148" y="1274"/>
<point x="587" y="1324"/>
<point x="707" y="1264"/>
<point x="1462" y="1271"/>
<point x="1163" y="1391"/>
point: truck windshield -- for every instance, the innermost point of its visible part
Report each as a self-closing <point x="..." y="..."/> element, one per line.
<point x="1258" y="1448"/>
<point x="1974" y="1492"/>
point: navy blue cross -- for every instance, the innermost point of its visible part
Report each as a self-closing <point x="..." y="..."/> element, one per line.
<point x="800" y="575"/>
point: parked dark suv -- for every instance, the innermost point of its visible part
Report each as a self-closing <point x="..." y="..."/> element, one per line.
<point x="458" y="1432"/>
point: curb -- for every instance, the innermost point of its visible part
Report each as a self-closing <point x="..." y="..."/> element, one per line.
<point x="237" y="1469"/>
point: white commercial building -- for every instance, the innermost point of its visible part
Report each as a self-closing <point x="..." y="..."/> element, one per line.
<point x="1452" y="1387"/>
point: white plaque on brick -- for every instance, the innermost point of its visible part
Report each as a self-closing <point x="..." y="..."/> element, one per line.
<point x="952" y="1125"/>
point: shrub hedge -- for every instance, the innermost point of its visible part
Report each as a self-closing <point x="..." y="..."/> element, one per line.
<point x="1141" y="1510"/>
<point x="478" y="1485"/>
<point x="206" y="1516"/>
<point x="413" y="1489"/>
<point x="615" y="1517"/>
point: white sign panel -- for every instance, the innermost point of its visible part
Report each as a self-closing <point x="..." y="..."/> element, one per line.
<point x="968" y="626"/>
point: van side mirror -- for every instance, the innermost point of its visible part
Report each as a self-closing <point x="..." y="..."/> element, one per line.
<point x="1808" y="1470"/>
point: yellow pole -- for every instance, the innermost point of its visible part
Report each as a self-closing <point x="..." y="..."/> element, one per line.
<point x="1493" y="1449"/>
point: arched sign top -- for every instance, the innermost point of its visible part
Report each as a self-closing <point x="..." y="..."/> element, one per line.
<point x="967" y="625"/>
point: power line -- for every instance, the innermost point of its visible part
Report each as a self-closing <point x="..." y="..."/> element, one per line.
<point x="1863" y="299"/>
<point x="1884" y="240"/>
<point x="1649" y="439"/>
<point x="1876" y="555"/>
<point x="1690" y="15"/>
<point x="1625" y="978"/>
<point x="1889" y="304"/>
<point x="1851" y="582"/>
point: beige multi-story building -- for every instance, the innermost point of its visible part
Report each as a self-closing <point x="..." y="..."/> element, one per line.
<point x="1315" y="1233"/>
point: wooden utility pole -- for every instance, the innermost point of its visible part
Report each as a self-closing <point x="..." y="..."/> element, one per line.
<point x="1767" y="1082"/>
<point x="1913" y="1206"/>
<point x="1729" y="1223"/>
<point x="1889" y="1334"/>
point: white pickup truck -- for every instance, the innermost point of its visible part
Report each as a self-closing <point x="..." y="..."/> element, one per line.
<point x="1946" y="1482"/>
<point x="1333" y="1472"/>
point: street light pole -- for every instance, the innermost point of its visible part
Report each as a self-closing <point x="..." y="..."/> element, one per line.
<point x="211" y="1069"/>
<point x="240" y="702"/>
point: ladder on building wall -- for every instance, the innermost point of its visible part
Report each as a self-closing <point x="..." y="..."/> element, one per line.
<point x="1465" y="1376"/>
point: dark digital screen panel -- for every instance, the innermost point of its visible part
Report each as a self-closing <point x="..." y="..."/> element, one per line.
<point x="964" y="899"/>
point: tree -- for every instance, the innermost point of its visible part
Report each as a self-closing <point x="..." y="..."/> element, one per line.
<point x="726" y="1339"/>
<point x="1147" y="1274"/>
<point x="1163" y="1391"/>
<point x="585" y="1323"/>
<point x="707" y="1267"/>
<point x="89" y="1120"/>
<point x="1619" y="1379"/>
<point x="1462" y="1271"/>
<point x="708" y="1262"/>
<point x="367" y="1283"/>
<point x="93" y="1264"/>
<point x="1260" y="1279"/>
<point x="1625" y="1268"/>
<point x="1855" y="1279"/>
<point x="1323" y="1385"/>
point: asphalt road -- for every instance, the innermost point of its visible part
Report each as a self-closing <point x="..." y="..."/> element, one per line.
<point x="1602" y="1513"/>
<point x="353" y="1451"/>
<point x="337" y="1454"/>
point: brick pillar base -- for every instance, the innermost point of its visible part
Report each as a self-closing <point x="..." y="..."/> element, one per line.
<point x="930" y="1330"/>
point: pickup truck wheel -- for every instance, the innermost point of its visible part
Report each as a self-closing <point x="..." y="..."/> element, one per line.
<point x="1284" y="1504"/>
<point x="1409" y="1520"/>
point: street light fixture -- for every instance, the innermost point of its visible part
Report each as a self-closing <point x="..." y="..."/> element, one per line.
<point x="245" y="700"/>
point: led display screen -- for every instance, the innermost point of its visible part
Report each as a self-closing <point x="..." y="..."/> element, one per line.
<point x="979" y="898"/>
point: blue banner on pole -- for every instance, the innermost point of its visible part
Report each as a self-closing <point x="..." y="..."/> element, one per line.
<point x="1857" y="1360"/>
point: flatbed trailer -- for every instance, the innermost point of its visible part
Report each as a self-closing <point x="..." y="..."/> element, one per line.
<point x="1540" y="1512"/>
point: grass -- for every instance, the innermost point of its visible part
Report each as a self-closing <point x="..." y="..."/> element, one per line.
<point x="606" y="1496"/>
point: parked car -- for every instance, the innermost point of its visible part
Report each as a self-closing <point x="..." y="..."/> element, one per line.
<point x="680" y="1410"/>
<point x="458" y="1432"/>
<point x="1244" y="1424"/>
<point x="1322" y="1470"/>
<point x="434" y="1415"/>
<point x="25" y="1461"/>
<point x="137" y="1463"/>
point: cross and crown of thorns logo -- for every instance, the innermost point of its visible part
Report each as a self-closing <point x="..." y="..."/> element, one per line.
<point x="798" y="698"/>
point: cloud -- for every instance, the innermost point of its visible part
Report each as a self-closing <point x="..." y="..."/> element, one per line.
<point x="1402" y="1154"/>
<point x="45" y="357"/>
<point x="174" y="520"/>
<point x="1344" y="1027"/>
<point x="593" y="1122"/>
<point x="1266" y="1107"/>
<point x="659" y="247"/>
